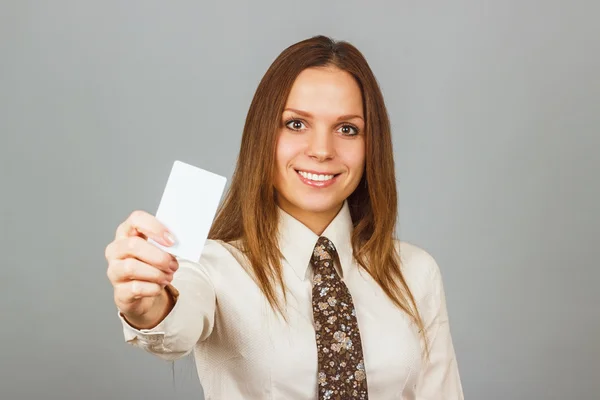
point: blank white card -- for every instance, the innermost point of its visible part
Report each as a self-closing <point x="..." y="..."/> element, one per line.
<point x="188" y="207"/>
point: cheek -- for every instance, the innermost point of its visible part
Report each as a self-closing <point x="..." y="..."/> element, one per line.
<point x="287" y="150"/>
<point x="354" y="157"/>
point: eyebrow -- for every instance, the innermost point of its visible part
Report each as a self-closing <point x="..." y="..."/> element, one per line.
<point x="309" y="115"/>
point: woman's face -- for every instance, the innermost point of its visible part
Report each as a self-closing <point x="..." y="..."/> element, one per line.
<point x="321" y="143"/>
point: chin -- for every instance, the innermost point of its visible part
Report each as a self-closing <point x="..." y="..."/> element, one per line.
<point x="318" y="205"/>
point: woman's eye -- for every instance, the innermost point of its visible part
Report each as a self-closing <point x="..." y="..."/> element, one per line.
<point x="295" y="125"/>
<point x="349" y="130"/>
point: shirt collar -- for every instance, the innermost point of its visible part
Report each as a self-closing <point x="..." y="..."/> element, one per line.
<point x="297" y="241"/>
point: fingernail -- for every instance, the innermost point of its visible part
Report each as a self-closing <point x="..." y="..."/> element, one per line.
<point x="174" y="265"/>
<point x="165" y="283"/>
<point x="169" y="238"/>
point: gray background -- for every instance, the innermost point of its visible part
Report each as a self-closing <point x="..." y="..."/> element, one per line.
<point x="495" y="112"/>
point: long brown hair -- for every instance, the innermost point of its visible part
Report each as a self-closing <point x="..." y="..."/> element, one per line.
<point x="248" y="214"/>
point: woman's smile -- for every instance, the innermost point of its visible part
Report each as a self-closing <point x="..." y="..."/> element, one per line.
<point x="317" y="179"/>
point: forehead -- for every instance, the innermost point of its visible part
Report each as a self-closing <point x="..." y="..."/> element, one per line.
<point x="326" y="91"/>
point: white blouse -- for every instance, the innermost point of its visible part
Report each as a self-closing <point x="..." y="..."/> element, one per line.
<point x="243" y="350"/>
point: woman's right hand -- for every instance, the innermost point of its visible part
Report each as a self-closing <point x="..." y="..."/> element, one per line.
<point x="139" y="271"/>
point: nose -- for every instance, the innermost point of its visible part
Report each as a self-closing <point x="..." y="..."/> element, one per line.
<point x="321" y="146"/>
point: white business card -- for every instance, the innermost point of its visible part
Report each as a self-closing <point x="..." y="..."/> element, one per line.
<point x="188" y="207"/>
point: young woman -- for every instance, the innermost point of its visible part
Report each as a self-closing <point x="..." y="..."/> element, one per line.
<point x="302" y="290"/>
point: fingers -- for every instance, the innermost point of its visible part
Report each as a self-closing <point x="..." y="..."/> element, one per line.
<point x="137" y="269"/>
<point x="136" y="247"/>
<point x="141" y="223"/>
<point x="132" y="291"/>
<point x="131" y="269"/>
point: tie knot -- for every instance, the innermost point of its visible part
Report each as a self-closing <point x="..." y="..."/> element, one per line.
<point x="324" y="250"/>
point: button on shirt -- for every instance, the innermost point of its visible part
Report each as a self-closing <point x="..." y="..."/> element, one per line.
<point x="244" y="350"/>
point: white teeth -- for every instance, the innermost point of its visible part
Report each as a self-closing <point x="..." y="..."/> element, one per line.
<point x="315" y="177"/>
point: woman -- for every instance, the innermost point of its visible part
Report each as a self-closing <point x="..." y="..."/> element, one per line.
<point x="301" y="291"/>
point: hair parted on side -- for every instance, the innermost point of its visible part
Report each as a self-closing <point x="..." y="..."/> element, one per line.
<point x="248" y="214"/>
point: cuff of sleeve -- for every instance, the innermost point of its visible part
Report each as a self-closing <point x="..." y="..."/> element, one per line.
<point x="153" y="337"/>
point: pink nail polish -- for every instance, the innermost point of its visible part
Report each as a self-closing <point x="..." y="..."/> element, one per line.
<point x="169" y="238"/>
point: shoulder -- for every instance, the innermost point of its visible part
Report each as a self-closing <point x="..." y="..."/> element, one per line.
<point x="217" y="251"/>
<point x="219" y="256"/>
<point x="419" y="268"/>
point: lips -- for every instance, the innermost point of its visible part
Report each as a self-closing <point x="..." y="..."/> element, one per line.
<point x="317" y="179"/>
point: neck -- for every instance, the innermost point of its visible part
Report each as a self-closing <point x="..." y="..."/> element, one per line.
<point x="315" y="221"/>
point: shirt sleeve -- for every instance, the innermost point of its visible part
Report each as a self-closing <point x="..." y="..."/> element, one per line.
<point x="440" y="378"/>
<point x="190" y="320"/>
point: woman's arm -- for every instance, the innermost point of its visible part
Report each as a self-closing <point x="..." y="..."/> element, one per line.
<point x="439" y="378"/>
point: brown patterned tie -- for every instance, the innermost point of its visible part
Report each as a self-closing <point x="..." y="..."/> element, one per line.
<point x="341" y="364"/>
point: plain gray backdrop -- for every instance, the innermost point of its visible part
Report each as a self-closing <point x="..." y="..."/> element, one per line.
<point x="495" y="108"/>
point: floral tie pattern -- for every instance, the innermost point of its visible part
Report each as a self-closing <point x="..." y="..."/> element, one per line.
<point x="341" y="364"/>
